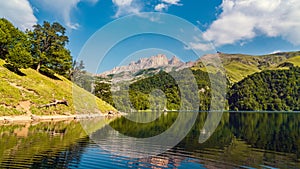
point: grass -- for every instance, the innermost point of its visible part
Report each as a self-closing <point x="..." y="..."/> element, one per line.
<point x="39" y="90"/>
<point x="294" y="60"/>
<point x="239" y="66"/>
<point x="238" y="71"/>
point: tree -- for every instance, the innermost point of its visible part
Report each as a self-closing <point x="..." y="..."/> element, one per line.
<point x="77" y="69"/>
<point x="6" y="31"/>
<point x="14" y="46"/>
<point x="19" y="57"/>
<point x="48" y="48"/>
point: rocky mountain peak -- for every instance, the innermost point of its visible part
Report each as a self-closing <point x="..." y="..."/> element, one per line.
<point x="175" y="61"/>
<point x="156" y="61"/>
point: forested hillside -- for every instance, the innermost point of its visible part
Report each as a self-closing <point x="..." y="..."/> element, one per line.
<point x="267" y="90"/>
<point x="142" y="92"/>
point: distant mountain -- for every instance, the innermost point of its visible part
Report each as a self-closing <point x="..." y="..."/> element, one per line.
<point x="237" y="66"/>
<point x="146" y="66"/>
<point x="264" y="78"/>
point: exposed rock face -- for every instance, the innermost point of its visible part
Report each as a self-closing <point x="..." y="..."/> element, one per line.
<point x="158" y="61"/>
<point x="175" y="61"/>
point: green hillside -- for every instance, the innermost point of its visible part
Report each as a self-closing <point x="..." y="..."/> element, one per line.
<point x="294" y="60"/>
<point x="24" y="94"/>
<point x="267" y="90"/>
<point x="239" y="66"/>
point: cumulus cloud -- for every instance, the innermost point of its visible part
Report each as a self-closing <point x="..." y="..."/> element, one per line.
<point x="165" y="4"/>
<point x="161" y="7"/>
<point x="125" y="7"/>
<point x="244" y="20"/>
<point x="19" y="12"/>
<point x="63" y="9"/>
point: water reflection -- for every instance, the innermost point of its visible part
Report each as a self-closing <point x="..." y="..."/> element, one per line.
<point x="241" y="140"/>
<point x="250" y="139"/>
<point x="40" y="144"/>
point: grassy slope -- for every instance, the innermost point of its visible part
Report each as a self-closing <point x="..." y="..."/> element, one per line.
<point x="239" y="66"/>
<point x="39" y="90"/>
<point x="294" y="60"/>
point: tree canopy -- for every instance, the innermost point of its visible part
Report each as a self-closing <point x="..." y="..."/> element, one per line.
<point x="14" y="45"/>
<point x="267" y="90"/>
<point x="48" y="48"/>
<point x="43" y="48"/>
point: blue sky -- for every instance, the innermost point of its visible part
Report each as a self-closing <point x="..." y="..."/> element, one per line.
<point x="233" y="26"/>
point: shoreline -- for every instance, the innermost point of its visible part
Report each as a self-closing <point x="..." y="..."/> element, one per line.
<point x="45" y="118"/>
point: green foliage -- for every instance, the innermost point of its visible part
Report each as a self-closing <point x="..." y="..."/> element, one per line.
<point x="267" y="90"/>
<point x="48" y="48"/>
<point x="143" y="93"/>
<point x="19" y="57"/>
<point x="14" y="46"/>
<point x="140" y="90"/>
<point x="42" y="48"/>
<point x="103" y="91"/>
<point x="7" y="31"/>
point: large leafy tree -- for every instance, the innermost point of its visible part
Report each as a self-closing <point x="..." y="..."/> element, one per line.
<point x="48" y="48"/>
<point x="14" y="45"/>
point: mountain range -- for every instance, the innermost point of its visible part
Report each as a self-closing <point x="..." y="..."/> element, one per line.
<point x="237" y="66"/>
<point x="159" y="61"/>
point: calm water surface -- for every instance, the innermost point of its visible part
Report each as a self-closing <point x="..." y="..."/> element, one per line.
<point x="242" y="140"/>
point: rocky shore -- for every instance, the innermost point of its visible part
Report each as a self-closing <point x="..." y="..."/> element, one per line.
<point x="34" y="118"/>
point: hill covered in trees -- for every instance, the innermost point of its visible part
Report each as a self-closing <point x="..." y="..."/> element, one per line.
<point x="267" y="90"/>
<point x="277" y="89"/>
<point x="164" y="90"/>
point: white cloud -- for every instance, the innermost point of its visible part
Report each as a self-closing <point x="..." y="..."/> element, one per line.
<point x="199" y="46"/>
<point x="122" y="2"/>
<point x="165" y="4"/>
<point x="173" y="2"/>
<point x="161" y="7"/>
<point x="276" y="51"/>
<point x="125" y="7"/>
<point x="19" y="12"/>
<point x="244" y="20"/>
<point x="63" y="9"/>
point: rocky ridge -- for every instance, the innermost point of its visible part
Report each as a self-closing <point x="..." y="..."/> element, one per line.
<point x="158" y="62"/>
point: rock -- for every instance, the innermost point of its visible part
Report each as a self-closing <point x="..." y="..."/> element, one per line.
<point x="157" y="61"/>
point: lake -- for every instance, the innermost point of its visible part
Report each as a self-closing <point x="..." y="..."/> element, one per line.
<point x="241" y="140"/>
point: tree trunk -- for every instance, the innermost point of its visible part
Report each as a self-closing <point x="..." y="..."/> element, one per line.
<point x="38" y="67"/>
